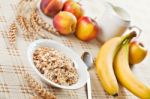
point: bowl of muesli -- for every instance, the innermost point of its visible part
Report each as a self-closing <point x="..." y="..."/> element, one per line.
<point x="57" y="65"/>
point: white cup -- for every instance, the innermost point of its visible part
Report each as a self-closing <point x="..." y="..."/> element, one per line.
<point x="114" y="22"/>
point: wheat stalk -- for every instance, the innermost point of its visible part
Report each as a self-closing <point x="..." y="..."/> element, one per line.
<point x="38" y="88"/>
<point x="22" y="4"/>
<point x="40" y="21"/>
<point x="35" y="23"/>
<point x="12" y="34"/>
<point x="45" y="25"/>
<point x="23" y="24"/>
<point x="35" y="26"/>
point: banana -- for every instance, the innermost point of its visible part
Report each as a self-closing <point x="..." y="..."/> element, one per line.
<point x="125" y="76"/>
<point x="104" y="63"/>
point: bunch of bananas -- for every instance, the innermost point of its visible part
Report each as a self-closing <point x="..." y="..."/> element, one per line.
<point x="112" y="65"/>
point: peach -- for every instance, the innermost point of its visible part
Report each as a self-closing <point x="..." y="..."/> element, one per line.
<point x="87" y="29"/>
<point x="65" y="22"/>
<point x="137" y="52"/>
<point x="51" y="7"/>
<point x="73" y="7"/>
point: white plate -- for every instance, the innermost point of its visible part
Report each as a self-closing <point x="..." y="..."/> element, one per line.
<point x="79" y="64"/>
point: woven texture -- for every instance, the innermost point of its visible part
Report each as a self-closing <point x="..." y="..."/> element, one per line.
<point x="13" y="60"/>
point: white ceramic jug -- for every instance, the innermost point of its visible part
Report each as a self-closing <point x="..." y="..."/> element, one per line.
<point x="114" y="22"/>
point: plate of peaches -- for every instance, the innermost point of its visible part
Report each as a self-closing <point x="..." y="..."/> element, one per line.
<point x="72" y="17"/>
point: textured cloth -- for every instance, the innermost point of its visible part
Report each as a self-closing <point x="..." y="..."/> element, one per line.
<point x="14" y="61"/>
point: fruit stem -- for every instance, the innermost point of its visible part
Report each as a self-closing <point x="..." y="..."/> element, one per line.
<point x="125" y="39"/>
<point x="115" y="95"/>
<point x="128" y="36"/>
<point x="138" y="29"/>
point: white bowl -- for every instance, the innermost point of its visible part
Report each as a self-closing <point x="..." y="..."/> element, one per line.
<point x="79" y="64"/>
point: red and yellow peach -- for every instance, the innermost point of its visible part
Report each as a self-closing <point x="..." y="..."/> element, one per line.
<point x="87" y="29"/>
<point x="51" y="7"/>
<point x="73" y="7"/>
<point x="65" y="22"/>
<point x="137" y="52"/>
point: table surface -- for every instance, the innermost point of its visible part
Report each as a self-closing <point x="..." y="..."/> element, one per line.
<point x="14" y="61"/>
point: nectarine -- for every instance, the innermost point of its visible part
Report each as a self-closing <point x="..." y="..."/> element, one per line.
<point x="65" y="22"/>
<point x="51" y="7"/>
<point x="73" y="7"/>
<point x="87" y="29"/>
<point x="137" y="52"/>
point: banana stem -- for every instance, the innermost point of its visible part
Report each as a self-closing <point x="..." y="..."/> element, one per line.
<point x="128" y="36"/>
<point x="124" y="39"/>
<point x="127" y="41"/>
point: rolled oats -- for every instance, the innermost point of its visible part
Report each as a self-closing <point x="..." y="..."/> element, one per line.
<point x="55" y="66"/>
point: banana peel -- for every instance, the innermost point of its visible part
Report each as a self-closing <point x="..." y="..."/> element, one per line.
<point x="125" y="76"/>
<point x="104" y="63"/>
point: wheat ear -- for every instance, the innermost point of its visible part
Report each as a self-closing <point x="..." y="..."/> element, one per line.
<point x="35" y="26"/>
<point x="45" y="25"/>
<point x="38" y="89"/>
<point x="12" y="34"/>
<point x="22" y="22"/>
<point x="25" y="25"/>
